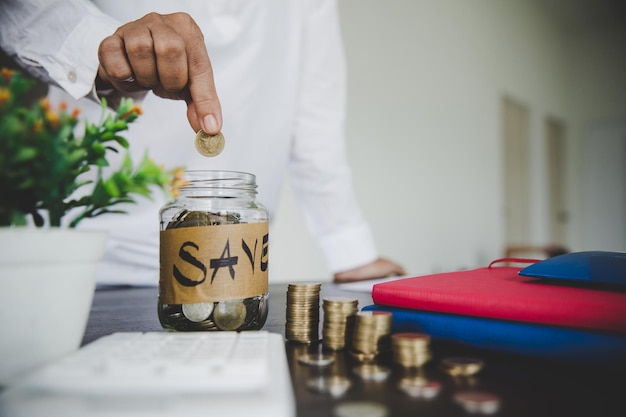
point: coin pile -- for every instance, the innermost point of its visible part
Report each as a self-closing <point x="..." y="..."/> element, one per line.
<point x="209" y="145"/>
<point x="372" y="330"/>
<point x="410" y="350"/>
<point x="339" y="313"/>
<point x="303" y="312"/>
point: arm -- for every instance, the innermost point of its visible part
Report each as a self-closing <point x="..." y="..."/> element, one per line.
<point x="69" y="43"/>
<point x="320" y="173"/>
<point x="56" y="41"/>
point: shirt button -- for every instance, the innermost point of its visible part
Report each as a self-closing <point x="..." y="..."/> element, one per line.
<point x="71" y="76"/>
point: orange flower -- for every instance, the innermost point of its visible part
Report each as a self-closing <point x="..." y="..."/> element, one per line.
<point x="52" y="118"/>
<point x="45" y="104"/>
<point x="177" y="181"/>
<point x="7" y="74"/>
<point x="75" y="113"/>
<point x="133" y="110"/>
<point x="5" y="96"/>
<point x="63" y="106"/>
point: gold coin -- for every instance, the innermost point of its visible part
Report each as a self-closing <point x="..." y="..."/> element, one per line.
<point x="461" y="366"/>
<point x="209" y="145"/>
<point x="230" y="314"/>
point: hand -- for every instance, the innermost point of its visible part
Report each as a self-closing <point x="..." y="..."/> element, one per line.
<point x="165" y="54"/>
<point x="380" y="268"/>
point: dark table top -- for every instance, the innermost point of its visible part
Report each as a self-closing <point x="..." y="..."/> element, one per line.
<point x="525" y="387"/>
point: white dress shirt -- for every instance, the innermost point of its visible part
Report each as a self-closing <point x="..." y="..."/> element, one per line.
<point x="279" y="69"/>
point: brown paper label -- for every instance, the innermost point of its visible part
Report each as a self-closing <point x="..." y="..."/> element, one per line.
<point x="213" y="263"/>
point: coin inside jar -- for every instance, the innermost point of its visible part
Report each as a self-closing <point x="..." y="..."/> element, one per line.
<point x="230" y="314"/>
<point x="197" y="312"/>
<point x="209" y="145"/>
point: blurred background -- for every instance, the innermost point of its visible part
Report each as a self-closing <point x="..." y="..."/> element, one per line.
<point x="478" y="129"/>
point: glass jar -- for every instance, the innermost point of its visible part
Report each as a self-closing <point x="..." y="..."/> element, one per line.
<point x="214" y="255"/>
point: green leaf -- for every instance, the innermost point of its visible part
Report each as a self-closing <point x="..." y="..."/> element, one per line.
<point x="122" y="141"/>
<point x="111" y="187"/>
<point x="26" y="153"/>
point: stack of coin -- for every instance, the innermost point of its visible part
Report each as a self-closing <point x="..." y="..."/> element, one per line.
<point x="339" y="313"/>
<point x="303" y="312"/>
<point x="371" y="334"/>
<point x="410" y="350"/>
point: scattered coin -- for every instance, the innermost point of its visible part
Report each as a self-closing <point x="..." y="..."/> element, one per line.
<point x="478" y="402"/>
<point x="230" y="314"/>
<point x="460" y="366"/>
<point x="361" y="409"/>
<point x="197" y="312"/>
<point x="316" y="359"/>
<point x="209" y="145"/>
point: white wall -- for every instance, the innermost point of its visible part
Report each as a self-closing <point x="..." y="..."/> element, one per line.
<point x="424" y="127"/>
<point x="596" y="100"/>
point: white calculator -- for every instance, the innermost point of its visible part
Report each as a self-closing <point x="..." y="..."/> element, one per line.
<point x="161" y="374"/>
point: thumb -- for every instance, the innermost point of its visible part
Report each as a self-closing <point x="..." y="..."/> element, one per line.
<point x="207" y="117"/>
<point x="203" y="106"/>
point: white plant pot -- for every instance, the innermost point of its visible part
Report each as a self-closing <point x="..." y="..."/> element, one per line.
<point x="47" y="283"/>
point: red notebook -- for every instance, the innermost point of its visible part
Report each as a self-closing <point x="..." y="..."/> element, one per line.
<point x="499" y="292"/>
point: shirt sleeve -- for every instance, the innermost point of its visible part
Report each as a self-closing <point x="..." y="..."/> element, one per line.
<point x="320" y="174"/>
<point x="57" y="41"/>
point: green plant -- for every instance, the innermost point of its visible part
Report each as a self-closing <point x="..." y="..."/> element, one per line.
<point x="42" y="160"/>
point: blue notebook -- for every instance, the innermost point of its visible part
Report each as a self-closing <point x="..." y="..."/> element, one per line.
<point x="531" y="340"/>
<point x="589" y="267"/>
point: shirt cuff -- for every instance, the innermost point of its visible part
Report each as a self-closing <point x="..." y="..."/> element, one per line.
<point x="349" y="248"/>
<point x="75" y="66"/>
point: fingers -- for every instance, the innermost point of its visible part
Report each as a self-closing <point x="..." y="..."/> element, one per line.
<point x="204" y="101"/>
<point x="167" y="54"/>
<point x="379" y="268"/>
<point x="115" y="68"/>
